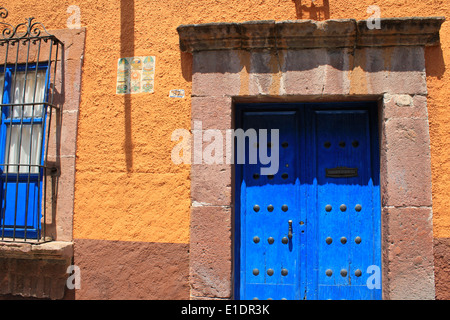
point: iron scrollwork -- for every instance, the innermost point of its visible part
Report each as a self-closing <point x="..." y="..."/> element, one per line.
<point x="23" y="31"/>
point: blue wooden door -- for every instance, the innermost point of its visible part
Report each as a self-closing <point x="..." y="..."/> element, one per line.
<point x="312" y="229"/>
<point x="270" y="212"/>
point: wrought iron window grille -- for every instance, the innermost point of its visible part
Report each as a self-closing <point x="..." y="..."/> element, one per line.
<point x="29" y="58"/>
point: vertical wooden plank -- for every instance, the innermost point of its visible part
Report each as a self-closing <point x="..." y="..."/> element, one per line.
<point x="277" y="263"/>
<point x="343" y="140"/>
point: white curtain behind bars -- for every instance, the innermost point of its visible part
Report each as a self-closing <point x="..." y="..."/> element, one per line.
<point x="22" y="136"/>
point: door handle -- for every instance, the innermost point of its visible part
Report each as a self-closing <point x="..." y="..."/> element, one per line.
<point x="290" y="229"/>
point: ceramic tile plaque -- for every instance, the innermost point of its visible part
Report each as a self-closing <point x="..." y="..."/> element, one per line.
<point x="135" y="75"/>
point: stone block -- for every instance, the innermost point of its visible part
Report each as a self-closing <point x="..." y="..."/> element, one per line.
<point x="210" y="252"/>
<point x="408" y="234"/>
<point x="303" y="71"/>
<point x="400" y="31"/>
<point x="211" y="184"/>
<point x="37" y="271"/>
<point x="337" y="70"/>
<point x="69" y="133"/>
<point x="213" y="112"/>
<point x="258" y="34"/>
<point x="406" y="173"/>
<point x="216" y="73"/>
<point x="305" y="34"/>
<point x="209" y="36"/>
<point x="263" y="73"/>
<point x="405" y="106"/>
<point x="398" y="70"/>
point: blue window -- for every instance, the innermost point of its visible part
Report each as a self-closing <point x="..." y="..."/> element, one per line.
<point x="24" y="92"/>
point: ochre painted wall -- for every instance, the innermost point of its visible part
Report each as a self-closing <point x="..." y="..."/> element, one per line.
<point x="127" y="187"/>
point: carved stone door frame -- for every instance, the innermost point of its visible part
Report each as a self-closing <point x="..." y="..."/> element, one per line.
<point x="307" y="61"/>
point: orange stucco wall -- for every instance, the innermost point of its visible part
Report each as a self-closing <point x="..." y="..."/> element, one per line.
<point x="127" y="187"/>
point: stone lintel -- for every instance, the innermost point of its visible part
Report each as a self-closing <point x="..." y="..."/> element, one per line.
<point x="59" y="250"/>
<point x="306" y="34"/>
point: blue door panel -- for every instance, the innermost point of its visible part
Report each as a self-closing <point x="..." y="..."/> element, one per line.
<point x="342" y="139"/>
<point x="271" y="264"/>
<point x="326" y="192"/>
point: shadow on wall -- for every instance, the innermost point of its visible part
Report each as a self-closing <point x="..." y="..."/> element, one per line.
<point x="434" y="62"/>
<point x="312" y="9"/>
<point x="186" y="65"/>
<point x="127" y="50"/>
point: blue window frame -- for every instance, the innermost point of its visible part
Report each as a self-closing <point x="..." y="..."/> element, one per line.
<point x="24" y="106"/>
